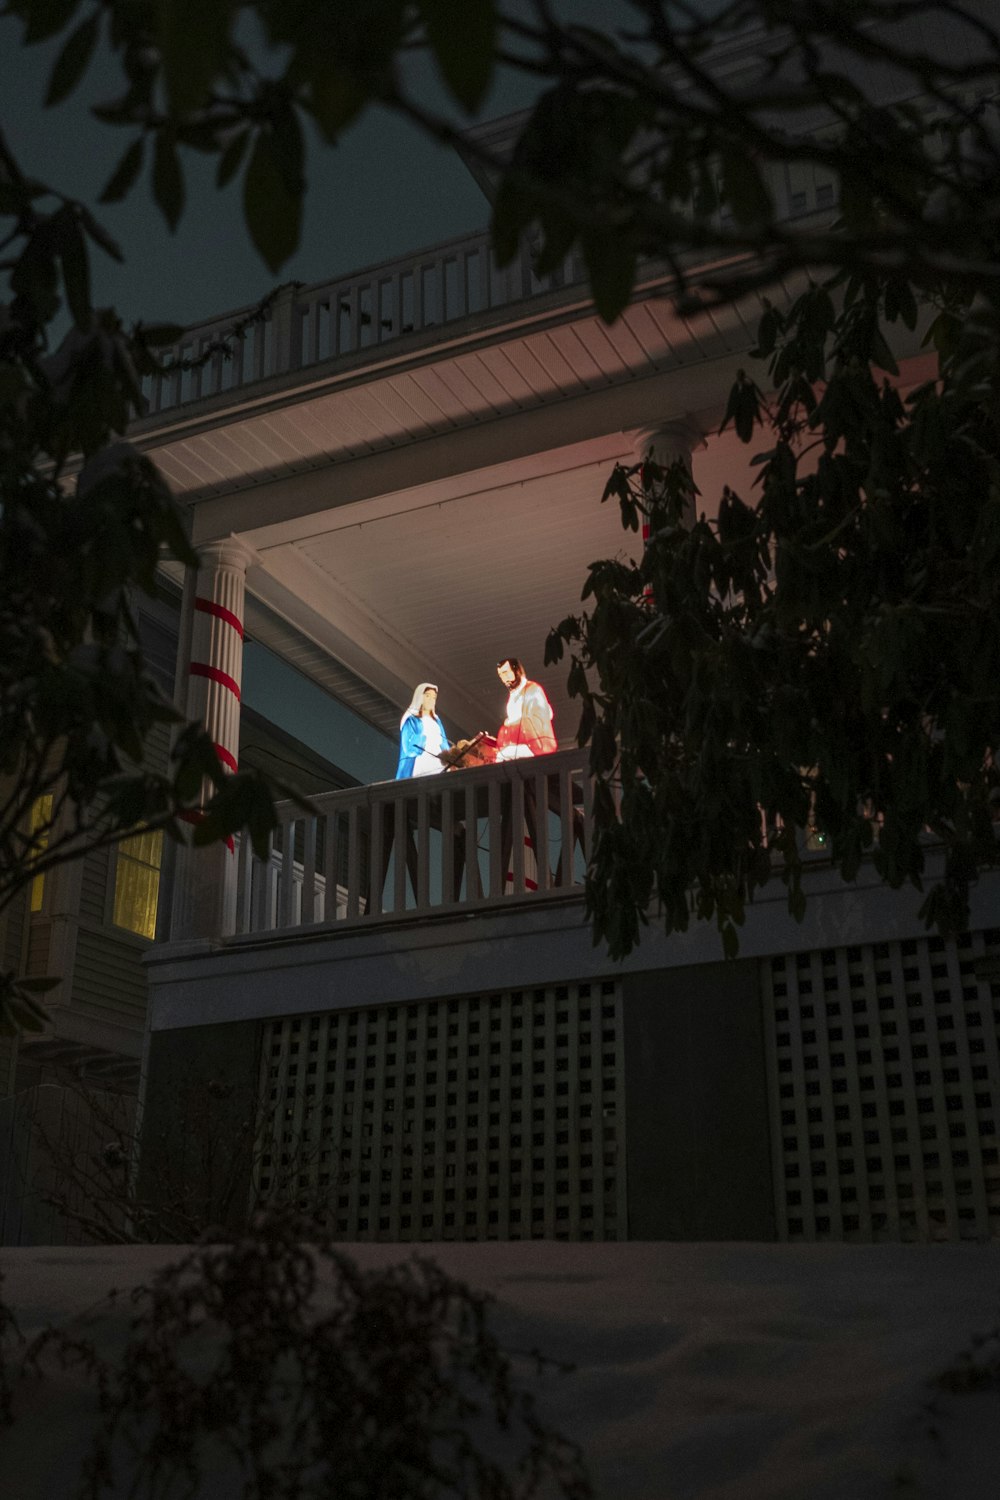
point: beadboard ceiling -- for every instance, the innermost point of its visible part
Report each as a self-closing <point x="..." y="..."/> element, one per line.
<point x="473" y="374"/>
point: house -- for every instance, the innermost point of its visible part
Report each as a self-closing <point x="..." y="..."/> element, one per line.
<point x="400" y="1014"/>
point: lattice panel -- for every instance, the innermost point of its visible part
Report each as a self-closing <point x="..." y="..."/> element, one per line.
<point x="885" y="1090"/>
<point x="496" y="1116"/>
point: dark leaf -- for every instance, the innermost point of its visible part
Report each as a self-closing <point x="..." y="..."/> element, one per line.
<point x="125" y="174"/>
<point x="202" y="135"/>
<point x="513" y="211"/>
<point x="99" y="234"/>
<point x="767" y="333"/>
<point x="289" y="148"/>
<point x="232" y="157"/>
<point x="559" y="234"/>
<point x="157" y="334"/>
<point x="744" y="188"/>
<point x="168" y="179"/>
<point x="75" y="266"/>
<point x="273" y="212"/>
<point x="462" y="40"/>
<point x="743" y="408"/>
<point x="39" y="985"/>
<point x="882" y="355"/>
<point x="611" y="269"/>
<point x="47" y="17"/>
<point x="336" y="98"/>
<point x="194" y="44"/>
<point x="19" y="1011"/>
<point x="71" y="64"/>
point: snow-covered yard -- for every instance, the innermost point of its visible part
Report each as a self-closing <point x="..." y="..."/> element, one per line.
<point x="722" y="1371"/>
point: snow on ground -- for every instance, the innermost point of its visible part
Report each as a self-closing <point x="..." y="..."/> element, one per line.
<point x="722" y="1371"/>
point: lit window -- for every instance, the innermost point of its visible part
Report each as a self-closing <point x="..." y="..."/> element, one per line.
<point x="137" y="883"/>
<point x="41" y="817"/>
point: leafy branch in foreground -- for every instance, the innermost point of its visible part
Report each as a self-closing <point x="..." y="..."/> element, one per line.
<point x="85" y="522"/>
<point x="826" y="658"/>
<point x="642" y="141"/>
<point x="307" y="1376"/>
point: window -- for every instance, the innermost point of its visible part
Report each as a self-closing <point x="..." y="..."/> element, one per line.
<point x="137" y="883"/>
<point x="41" y="817"/>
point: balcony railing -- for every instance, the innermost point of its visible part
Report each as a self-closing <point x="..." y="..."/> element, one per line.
<point x="306" y="326"/>
<point x="462" y="841"/>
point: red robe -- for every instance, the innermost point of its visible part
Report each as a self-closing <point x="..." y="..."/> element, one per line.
<point x="531" y="730"/>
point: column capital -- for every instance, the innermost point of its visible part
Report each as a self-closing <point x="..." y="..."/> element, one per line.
<point x="228" y="552"/>
<point x="678" y="438"/>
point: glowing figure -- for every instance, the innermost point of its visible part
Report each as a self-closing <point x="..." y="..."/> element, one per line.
<point x="527" y="726"/>
<point x="421" y="735"/>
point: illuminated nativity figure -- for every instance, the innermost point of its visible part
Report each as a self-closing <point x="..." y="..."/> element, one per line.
<point x="424" y="750"/>
<point x="526" y="732"/>
<point x="421" y="735"/>
<point x="527" y="727"/>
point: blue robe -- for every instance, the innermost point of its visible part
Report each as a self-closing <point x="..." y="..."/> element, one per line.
<point x="411" y="742"/>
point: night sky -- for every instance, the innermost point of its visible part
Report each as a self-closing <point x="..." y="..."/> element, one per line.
<point x="383" y="192"/>
<point x="356" y="212"/>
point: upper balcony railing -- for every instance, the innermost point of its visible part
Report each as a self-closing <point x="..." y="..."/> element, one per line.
<point x="464" y="841"/>
<point x="307" y="326"/>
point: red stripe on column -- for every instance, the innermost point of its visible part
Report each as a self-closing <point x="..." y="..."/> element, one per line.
<point x="227" y="757"/>
<point x="196" y="815"/>
<point x="209" y="607"/>
<point x="202" y="669"/>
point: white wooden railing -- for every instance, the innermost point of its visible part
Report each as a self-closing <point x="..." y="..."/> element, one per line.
<point x="464" y="840"/>
<point x="306" y="326"/>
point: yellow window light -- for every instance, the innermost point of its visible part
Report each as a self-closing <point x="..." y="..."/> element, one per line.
<point x="137" y="883"/>
<point x="41" y="817"/>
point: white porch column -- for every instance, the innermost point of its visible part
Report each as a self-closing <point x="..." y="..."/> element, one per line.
<point x="204" y="896"/>
<point x="667" y="443"/>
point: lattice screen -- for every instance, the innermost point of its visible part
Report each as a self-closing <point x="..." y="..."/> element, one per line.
<point x="885" y="1087"/>
<point x="496" y="1116"/>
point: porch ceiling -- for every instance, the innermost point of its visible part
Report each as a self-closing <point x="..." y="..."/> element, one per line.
<point x="439" y="589"/>
<point x="439" y="581"/>
<point x="418" y="514"/>
<point x="470" y="374"/>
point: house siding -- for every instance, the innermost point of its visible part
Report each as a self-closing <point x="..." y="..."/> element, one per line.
<point x="108" y="978"/>
<point x="11" y="953"/>
<point x="39" y="935"/>
<point x="94" y="886"/>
